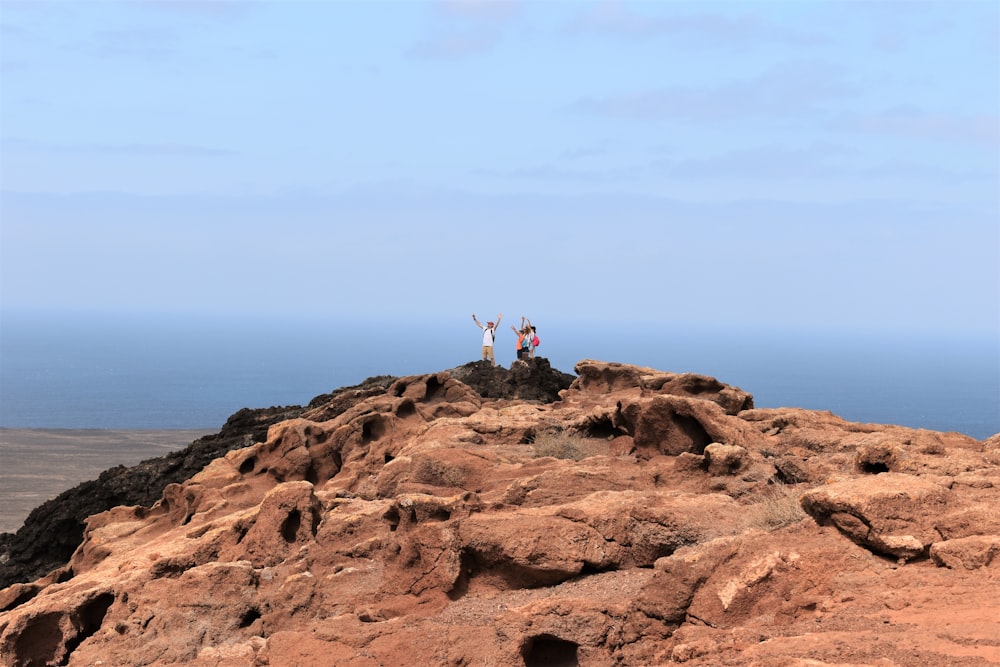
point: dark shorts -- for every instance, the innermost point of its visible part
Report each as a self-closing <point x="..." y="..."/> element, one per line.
<point x="522" y="353"/>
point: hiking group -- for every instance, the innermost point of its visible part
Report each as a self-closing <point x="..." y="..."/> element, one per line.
<point x="527" y="338"/>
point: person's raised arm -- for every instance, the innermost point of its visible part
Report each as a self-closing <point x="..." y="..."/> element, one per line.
<point x="499" y="317"/>
<point x="476" y="321"/>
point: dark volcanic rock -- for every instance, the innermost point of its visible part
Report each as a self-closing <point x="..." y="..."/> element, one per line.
<point x="532" y="380"/>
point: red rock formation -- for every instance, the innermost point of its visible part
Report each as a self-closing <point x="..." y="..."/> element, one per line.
<point x="647" y="518"/>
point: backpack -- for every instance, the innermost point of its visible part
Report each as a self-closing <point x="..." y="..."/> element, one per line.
<point x="535" y="341"/>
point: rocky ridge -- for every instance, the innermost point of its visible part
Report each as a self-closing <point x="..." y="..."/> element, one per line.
<point x="480" y="516"/>
<point x="54" y="529"/>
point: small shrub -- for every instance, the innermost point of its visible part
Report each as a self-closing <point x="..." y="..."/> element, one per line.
<point x="566" y="446"/>
<point x="934" y="448"/>
<point x="776" y="507"/>
<point x="438" y="473"/>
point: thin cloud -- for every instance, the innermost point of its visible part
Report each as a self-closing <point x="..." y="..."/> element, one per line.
<point x="911" y="123"/>
<point x="772" y="163"/>
<point x="465" y="28"/>
<point x="148" y="43"/>
<point x="10" y="30"/>
<point x="161" y="149"/>
<point x="484" y="10"/>
<point x="547" y="173"/>
<point x="791" y="89"/>
<point x="151" y="149"/>
<point x="457" y="45"/>
<point x="599" y="150"/>
<point x="14" y="66"/>
<point x="615" y="19"/>
<point x="211" y="9"/>
<point x="819" y="162"/>
<point x="760" y="163"/>
<point x="155" y="43"/>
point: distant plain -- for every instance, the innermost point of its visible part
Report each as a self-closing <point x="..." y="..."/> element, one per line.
<point x="39" y="464"/>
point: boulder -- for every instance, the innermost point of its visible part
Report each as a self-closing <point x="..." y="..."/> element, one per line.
<point x="892" y="514"/>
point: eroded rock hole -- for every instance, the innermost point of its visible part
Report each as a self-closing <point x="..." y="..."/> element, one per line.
<point x="549" y="651"/>
<point x="38" y="641"/>
<point x="392" y="517"/>
<point x="874" y="467"/>
<point x="27" y="594"/>
<point x="434" y="389"/>
<point x="171" y="568"/>
<point x="88" y="619"/>
<point x="439" y="514"/>
<point x="315" y="436"/>
<point x="373" y="429"/>
<point x="249" y="617"/>
<point x="704" y="385"/>
<point x="602" y="428"/>
<point x="466" y="570"/>
<point x="589" y="569"/>
<point x="290" y="526"/>
<point x="503" y="574"/>
<point x="247" y="465"/>
<point x="312" y="475"/>
<point x="694" y="432"/>
<point x="406" y="409"/>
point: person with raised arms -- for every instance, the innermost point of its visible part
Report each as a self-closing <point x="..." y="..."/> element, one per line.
<point x="489" y="336"/>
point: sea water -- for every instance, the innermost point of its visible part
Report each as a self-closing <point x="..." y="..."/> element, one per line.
<point x="158" y="372"/>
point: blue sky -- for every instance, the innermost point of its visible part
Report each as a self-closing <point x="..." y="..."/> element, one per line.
<point x="830" y="165"/>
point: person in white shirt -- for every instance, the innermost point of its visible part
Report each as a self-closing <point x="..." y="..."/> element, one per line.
<point x="489" y="335"/>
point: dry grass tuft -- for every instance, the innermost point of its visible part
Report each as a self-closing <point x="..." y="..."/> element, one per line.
<point x="776" y="507"/>
<point x="438" y="473"/>
<point x="566" y="446"/>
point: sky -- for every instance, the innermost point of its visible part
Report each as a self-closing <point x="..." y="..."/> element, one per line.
<point x="793" y="165"/>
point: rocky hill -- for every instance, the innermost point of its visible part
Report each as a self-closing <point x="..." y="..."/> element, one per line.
<point x="480" y="516"/>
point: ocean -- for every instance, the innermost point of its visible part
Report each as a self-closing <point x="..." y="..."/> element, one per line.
<point x="116" y="372"/>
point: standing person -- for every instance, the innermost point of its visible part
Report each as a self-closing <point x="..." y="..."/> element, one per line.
<point x="522" y="342"/>
<point x="531" y="335"/>
<point x="525" y="351"/>
<point x="489" y="335"/>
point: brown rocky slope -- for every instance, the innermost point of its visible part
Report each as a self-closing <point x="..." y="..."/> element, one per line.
<point x="644" y="518"/>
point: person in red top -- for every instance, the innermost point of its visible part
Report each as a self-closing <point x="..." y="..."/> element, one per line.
<point x="489" y="335"/>
<point x="531" y="334"/>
